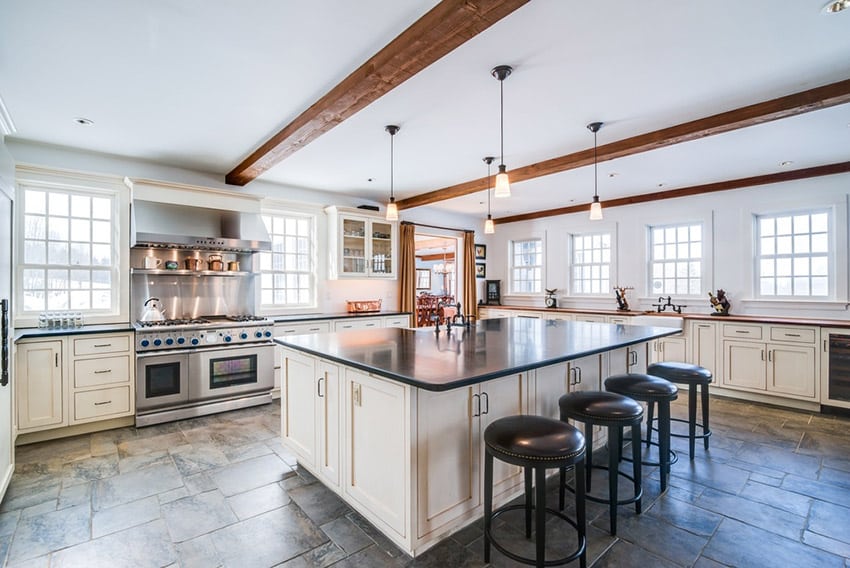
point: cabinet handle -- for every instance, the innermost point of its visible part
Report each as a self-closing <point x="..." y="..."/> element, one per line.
<point x="319" y="387"/>
<point x="573" y="380"/>
<point x="742" y="331"/>
<point x="56" y="357"/>
<point x="703" y="325"/>
<point x="824" y="346"/>
<point x="486" y="403"/>
<point x="578" y="375"/>
<point x="477" y="402"/>
<point x="762" y="354"/>
<point x="770" y="354"/>
<point x="792" y="335"/>
<point x="315" y="329"/>
<point x="357" y="395"/>
<point x="102" y="403"/>
<point x="103" y="371"/>
<point x="103" y="345"/>
<point x="370" y="325"/>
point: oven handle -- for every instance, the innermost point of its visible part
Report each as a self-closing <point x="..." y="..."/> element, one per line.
<point x="204" y="349"/>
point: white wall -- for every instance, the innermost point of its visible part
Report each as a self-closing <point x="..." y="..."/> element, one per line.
<point x="728" y="219"/>
<point x="331" y="295"/>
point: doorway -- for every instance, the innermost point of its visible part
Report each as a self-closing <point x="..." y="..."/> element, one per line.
<point x="438" y="269"/>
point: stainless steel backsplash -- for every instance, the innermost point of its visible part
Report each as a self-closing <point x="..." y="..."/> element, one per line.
<point x="190" y="296"/>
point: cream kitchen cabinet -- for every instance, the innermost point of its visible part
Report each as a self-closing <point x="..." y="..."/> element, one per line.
<point x="668" y="349"/>
<point x="703" y="347"/>
<point x="450" y="449"/>
<point x="397" y="321"/>
<point x="358" y="323"/>
<point x="632" y="359"/>
<point x="776" y="359"/>
<point x="312" y="430"/>
<point x="39" y="384"/>
<point x="74" y="379"/>
<point x="361" y="245"/>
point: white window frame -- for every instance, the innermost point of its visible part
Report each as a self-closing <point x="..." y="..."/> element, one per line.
<point x="55" y="181"/>
<point x="702" y="259"/>
<point x="829" y="255"/>
<point x="601" y="264"/>
<point x="311" y="272"/>
<point x="512" y="267"/>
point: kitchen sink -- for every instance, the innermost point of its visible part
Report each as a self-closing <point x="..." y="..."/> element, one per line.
<point x="657" y="321"/>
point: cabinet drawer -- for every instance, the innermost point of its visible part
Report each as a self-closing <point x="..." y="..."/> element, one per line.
<point x="298" y="328"/>
<point x="357" y="324"/>
<point x="102" y="371"/>
<point x="95" y="345"/>
<point x="741" y="331"/>
<point x="794" y="334"/>
<point x="400" y="321"/>
<point x="102" y="402"/>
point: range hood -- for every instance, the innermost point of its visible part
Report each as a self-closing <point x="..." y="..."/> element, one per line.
<point x="167" y="225"/>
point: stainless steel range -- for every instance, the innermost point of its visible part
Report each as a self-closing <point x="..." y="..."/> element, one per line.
<point x="193" y="367"/>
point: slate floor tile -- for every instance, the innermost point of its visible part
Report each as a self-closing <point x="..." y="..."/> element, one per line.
<point x="249" y="474"/>
<point x="660" y="538"/>
<point x="259" y="500"/>
<point x="319" y="503"/>
<point x="770" y="518"/>
<point x="125" y="516"/>
<point x="150" y="444"/>
<point x="135" y="485"/>
<point x="36" y="536"/>
<point x="199" y="551"/>
<point x="626" y="555"/>
<point x="193" y="516"/>
<point x="830" y="520"/>
<point x="197" y="458"/>
<point x="779" y="498"/>
<point x="139" y="547"/>
<point x="346" y="535"/>
<point x="685" y="516"/>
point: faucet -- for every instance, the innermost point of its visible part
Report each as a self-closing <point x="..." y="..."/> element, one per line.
<point x="663" y="307"/>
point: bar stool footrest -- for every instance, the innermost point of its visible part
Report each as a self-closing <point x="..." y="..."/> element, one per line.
<point x="582" y="545"/>
<point x="595" y="499"/>
<point x="674" y="457"/>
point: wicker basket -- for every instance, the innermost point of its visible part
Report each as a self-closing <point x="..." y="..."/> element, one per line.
<point x="360" y="306"/>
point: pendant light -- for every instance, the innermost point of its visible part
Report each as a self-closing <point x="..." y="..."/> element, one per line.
<point x="392" y="208"/>
<point x="595" y="207"/>
<point x="503" y="186"/>
<point x="489" y="226"/>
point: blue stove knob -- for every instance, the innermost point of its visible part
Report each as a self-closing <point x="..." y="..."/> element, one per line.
<point x="157" y="342"/>
<point x="243" y="335"/>
<point x="268" y="334"/>
<point x="144" y="343"/>
<point x="259" y="334"/>
<point x="194" y="341"/>
<point x="169" y="341"/>
<point x="227" y="338"/>
<point x="181" y="340"/>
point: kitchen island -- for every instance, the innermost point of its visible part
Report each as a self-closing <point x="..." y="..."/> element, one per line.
<point x="392" y="420"/>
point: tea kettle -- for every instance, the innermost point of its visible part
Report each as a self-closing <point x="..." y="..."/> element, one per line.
<point x="152" y="310"/>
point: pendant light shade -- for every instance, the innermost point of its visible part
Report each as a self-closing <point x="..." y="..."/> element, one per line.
<point x="595" y="206"/>
<point x="503" y="186"/>
<point x="489" y="226"/>
<point x="392" y="208"/>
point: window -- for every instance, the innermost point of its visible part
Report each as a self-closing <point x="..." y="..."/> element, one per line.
<point x="793" y="254"/>
<point x="591" y="266"/>
<point x="675" y="253"/>
<point x="527" y="266"/>
<point x="288" y="271"/>
<point x="69" y="251"/>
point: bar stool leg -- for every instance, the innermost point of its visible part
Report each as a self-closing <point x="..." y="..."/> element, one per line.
<point x="614" y="433"/>
<point x="562" y="480"/>
<point x="488" y="502"/>
<point x="664" y="442"/>
<point x="650" y="411"/>
<point x="588" y="437"/>
<point x="692" y="418"/>
<point x="636" y="464"/>
<point x="540" y="517"/>
<point x="704" y="401"/>
<point x="528" y="496"/>
<point x="581" y="517"/>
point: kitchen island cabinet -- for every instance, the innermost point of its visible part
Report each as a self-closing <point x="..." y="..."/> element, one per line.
<point x="415" y="403"/>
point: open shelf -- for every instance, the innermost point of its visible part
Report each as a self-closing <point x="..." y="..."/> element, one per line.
<point x="182" y="272"/>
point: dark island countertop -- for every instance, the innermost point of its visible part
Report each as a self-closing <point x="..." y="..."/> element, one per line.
<point x="331" y="316"/>
<point x="491" y="349"/>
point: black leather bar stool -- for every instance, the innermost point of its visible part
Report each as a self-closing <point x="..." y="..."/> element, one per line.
<point x="649" y="389"/>
<point x="536" y="444"/>
<point x="695" y="377"/>
<point x="597" y="408"/>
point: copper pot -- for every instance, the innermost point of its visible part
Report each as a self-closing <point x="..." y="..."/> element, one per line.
<point x="214" y="262"/>
<point x="233" y="266"/>
<point x="194" y="263"/>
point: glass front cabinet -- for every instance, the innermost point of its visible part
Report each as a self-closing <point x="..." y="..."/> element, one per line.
<point x="361" y="245"/>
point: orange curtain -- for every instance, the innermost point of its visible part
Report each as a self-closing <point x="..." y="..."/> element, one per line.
<point x="469" y="288"/>
<point x="407" y="270"/>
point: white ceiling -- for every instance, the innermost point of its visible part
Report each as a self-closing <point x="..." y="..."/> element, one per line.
<point x="201" y="84"/>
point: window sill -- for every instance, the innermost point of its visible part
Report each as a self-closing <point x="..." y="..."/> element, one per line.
<point x="826" y="305"/>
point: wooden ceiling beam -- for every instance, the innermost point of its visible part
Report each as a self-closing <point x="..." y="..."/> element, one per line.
<point x="445" y="27"/>
<point x="759" y="113"/>
<point x="804" y="173"/>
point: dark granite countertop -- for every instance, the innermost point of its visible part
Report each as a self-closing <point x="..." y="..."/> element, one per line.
<point x="37" y="332"/>
<point x="338" y="315"/>
<point x="493" y="348"/>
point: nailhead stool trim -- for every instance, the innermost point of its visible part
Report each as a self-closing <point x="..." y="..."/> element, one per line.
<point x="695" y="377"/>
<point x="599" y="408"/>
<point x="535" y="444"/>
<point x="650" y="389"/>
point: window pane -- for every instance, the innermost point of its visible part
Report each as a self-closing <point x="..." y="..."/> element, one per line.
<point x="34" y="227"/>
<point x="820" y="286"/>
<point x="57" y="253"/>
<point x="80" y="206"/>
<point x="57" y="228"/>
<point x="101" y="208"/>
<point x="783" y="245"/>
<point x="58" y="204"/>
<point x="80" y="230"/>
<point x="783" y="225"/>
<point x="767" y="245"/>
<point x="35" y="202"/>
<point x="820" y="223"/>
<point x="35" y="252"/>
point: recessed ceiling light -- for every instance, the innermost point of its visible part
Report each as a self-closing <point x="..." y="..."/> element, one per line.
<point x="785" y="163"/>
<point x="84" y="121"/>
<point x="660" y="185"/>
<point x="836" y="6"/>
<point x="613" y="174"/>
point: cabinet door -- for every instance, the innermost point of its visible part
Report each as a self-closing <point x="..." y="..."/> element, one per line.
<point x="328" y="427"/>
<point x="397" y="321"/>
<point x="550" y="384"/>
<point x="377" y="448"/>
<point x="744" y="364"/>
<point x="668" y="349"/>
<point x="352" y="247"/>
<point x="357" y="323"/>
<point x="500" y="398"/>
<point x="447" y="430"/>
<point x="382" y="236"/>
<point x="298" y="408"/>
<point x="585" y="374"/>
<point x="704" y="346"/>
<point x="792" y="370"/>
<point x="39" y="384"/>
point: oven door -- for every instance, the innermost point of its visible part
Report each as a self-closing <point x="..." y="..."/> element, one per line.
<point x="162" y="379"/>
<point x="220" y="373"/>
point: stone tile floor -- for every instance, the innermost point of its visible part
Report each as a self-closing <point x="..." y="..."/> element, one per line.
<point x="773" y="490"/>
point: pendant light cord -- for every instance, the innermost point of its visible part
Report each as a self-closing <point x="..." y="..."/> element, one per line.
<point x="488" y="188"/>
<point x="502" y="119"/>
<point x="595" y="174"/>
<point x="392" y="161"/>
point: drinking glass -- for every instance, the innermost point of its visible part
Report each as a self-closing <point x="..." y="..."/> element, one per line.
<point x="42" y="320"/>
